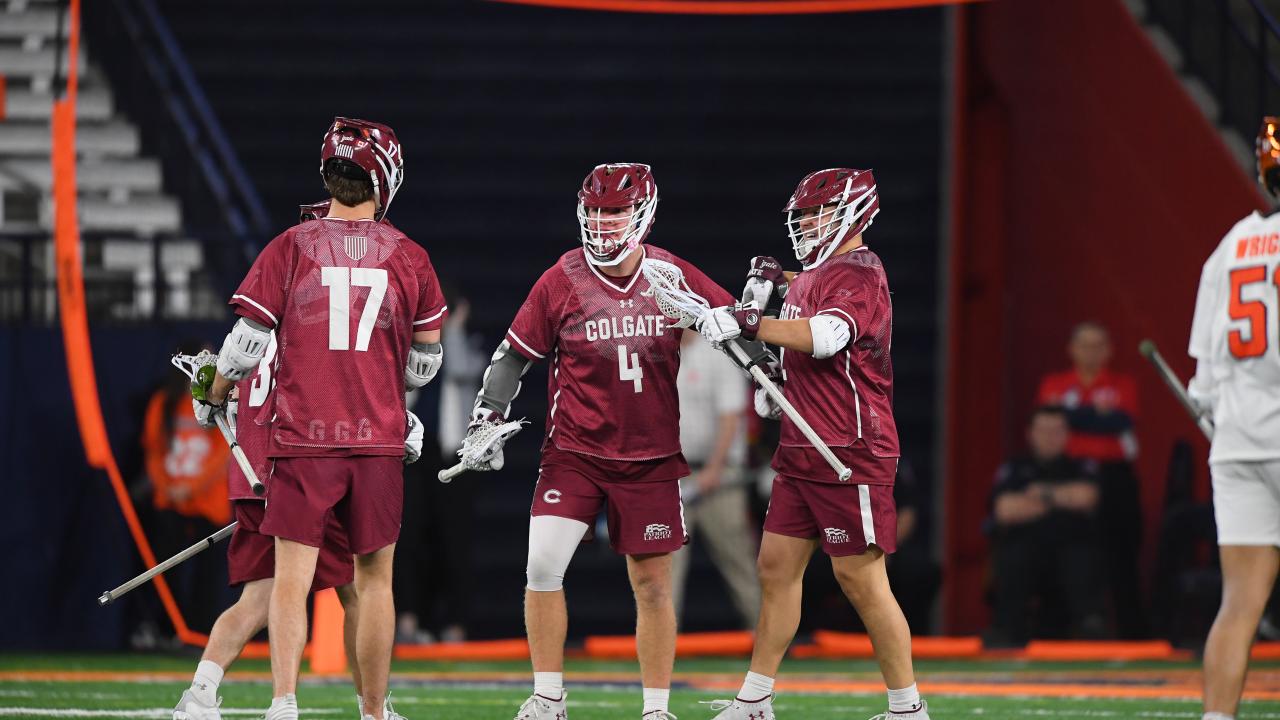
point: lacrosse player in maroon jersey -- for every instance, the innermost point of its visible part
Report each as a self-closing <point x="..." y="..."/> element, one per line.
<point x="251" y="555"/>
<point x="356" y="310"/>
<point x="612" y="433"/>
<point x="835" y="331"/>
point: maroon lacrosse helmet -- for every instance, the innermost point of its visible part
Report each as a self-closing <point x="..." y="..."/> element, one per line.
<point x="313" y="211"/>
<point x="609" y="239"/>
<point x="361" y="149"/>
<point x="854" y="203"/>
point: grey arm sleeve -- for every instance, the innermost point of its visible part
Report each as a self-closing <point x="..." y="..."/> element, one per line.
<point x="501" y="382"/>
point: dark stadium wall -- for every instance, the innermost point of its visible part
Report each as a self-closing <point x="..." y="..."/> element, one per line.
<point x="1088" y="185"/>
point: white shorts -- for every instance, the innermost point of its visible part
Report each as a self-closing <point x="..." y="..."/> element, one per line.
<point x="1246" y="502"/>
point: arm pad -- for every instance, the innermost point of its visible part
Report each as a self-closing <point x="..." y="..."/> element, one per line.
<point x="830" y="335"/>
<point x="502" y="380"/>
<point x="424" y="362"/>
<point x="242" y="350"/>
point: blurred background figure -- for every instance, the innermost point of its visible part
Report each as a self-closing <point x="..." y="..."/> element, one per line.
<point x="433" y="558"/>
<point x="1044" y="516"/>
<point x="185" y="471"/>
<point x="1102" y="408"/>
<point x="913" y="573"/>
<point x="713" y="407"/>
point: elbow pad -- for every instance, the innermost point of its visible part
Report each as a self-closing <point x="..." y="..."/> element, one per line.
<point x="830" y="335"/>
<point x="501" y="382"/>
<point x="242" y="350"/>
<point x="424" y="362"/>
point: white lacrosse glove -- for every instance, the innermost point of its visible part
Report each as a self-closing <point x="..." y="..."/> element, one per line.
<point x="765" y="406"/>
<point x="233" y="408"/>
<point x="730" y="321"/>
<point x="412" y="438"/>
<point x="764" y="278"/>
<point x="204" y="413"/>
<point x="482" y="447"/>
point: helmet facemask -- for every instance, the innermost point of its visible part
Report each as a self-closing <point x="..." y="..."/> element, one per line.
<point x="609" y="238"/>
<point x="817" y="232"/>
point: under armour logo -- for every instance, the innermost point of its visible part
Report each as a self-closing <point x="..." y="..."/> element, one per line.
<point x="627" y="303"/>
<point x="551" y="496"/>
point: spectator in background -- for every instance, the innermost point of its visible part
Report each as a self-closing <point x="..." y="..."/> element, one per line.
<point x="713" y="404"/>
<point x="186" y="467"/>
<point x="913" y="573"/>
<point x="1102" y="407"/>
<point x="1044" y="518"/>
<point x="433" y="558"/>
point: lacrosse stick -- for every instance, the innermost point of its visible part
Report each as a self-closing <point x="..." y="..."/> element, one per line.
<point x="194" y="365"/>
<point x="111" y="596"/>
<point x="677" y="301"/>
<point x="1149" y="351"/>
<point x="478" y="445"/>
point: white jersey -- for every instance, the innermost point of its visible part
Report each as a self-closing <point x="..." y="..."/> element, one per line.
<point x="1235" y="339"/>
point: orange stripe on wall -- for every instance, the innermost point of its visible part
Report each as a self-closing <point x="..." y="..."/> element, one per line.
<point x="75" y="320"/>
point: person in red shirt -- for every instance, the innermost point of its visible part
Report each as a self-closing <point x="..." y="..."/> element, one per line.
<point x="835" y="330"/>
<point x="613" y="430"/>
<point x="356" y="309"/>
<point x="1102" y="408"/>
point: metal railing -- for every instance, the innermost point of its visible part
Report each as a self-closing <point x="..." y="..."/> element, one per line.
<point x="148" y="71"/>
<point x="128" y="280"/>
<point x="1233" y="46"/>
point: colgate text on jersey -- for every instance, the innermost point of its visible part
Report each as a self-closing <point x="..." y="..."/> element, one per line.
<point x="627" y="326"/>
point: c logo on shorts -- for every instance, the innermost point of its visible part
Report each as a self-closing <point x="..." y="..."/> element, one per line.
<point x="551" y="496"/>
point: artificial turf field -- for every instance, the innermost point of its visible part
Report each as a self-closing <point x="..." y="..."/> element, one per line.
<point x="147" y="686"/>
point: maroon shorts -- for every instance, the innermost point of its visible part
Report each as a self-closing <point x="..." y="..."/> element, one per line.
<point x="643" y="498"/>
<point x="846" y="518"/>
<point x="252" y="555"/>
<point x="365" y="493"/>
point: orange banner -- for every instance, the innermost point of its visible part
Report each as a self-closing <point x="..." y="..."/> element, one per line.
<point x="75" y="319"/>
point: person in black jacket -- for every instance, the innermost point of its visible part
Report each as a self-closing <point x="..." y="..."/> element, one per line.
<point x="1045" y="537"/>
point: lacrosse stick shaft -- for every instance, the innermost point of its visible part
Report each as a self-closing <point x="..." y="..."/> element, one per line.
<point x="111" y="596"/>
<point x="448" y="474"/>
<point x="767" y="385"/>
<point x="237" y="452"/>
<point x="1149" y="351"/>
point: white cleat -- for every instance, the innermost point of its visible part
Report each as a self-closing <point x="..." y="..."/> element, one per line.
<point x="738" y="709"/>
<point x="921" y="714"/>
<point x="190" y="708"/>
<point x="658" y="715"/>
<point x="538" y="707"/>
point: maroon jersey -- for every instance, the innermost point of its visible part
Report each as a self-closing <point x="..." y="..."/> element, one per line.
<point x="614" y="358"/>
<point x="847" y="398"/>
<point x="345" y="298"/>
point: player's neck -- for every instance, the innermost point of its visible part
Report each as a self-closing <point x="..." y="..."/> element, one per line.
<point x="850" y="245"/>
<point x="627" y="267"/>
<point x="1088" y="375"/>
<point x="363" y="211"/>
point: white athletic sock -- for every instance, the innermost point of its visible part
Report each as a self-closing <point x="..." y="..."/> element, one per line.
<point x="905" y="700"/>
<point x="1218" y="716"/>
<point x="756" y="687"/>
<point x="204" y="684"/>
<point x="655" y="699"/>
<point x="283" y="708"/>
<point x="549" y="685"/>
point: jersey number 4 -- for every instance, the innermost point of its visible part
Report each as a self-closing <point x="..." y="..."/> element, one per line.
<point x="630" y="370"/>
<point x="339" y="281"/>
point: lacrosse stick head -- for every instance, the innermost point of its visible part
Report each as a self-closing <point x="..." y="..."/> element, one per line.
<point x="674" y="297"/>
<point x="200" y="368"/>
<point x="486" y="441"/>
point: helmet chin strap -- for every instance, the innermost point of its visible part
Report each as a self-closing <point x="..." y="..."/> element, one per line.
<point x="608" y="263"/>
